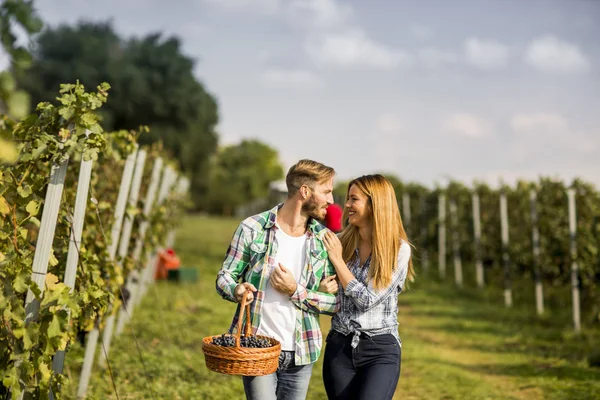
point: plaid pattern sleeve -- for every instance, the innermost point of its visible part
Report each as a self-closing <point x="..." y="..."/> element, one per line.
<point x="314" y="301"/>
<point x="236" y="260"/>
<point x="365" y="297"/>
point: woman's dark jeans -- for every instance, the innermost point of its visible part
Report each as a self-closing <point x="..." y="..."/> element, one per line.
<point x="369" y="371"/>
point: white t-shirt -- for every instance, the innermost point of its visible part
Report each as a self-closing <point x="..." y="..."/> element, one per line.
<point x="278" y="315"/>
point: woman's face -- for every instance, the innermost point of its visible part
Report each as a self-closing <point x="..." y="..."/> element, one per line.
<point x="357" y="205"/>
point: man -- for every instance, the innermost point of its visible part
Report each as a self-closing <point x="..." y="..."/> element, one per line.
<point x="280" y="257"/>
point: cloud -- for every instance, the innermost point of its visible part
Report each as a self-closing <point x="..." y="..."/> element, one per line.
<point x="330" y="36"/>
<point x="486" y="54"/>
<point x="432" y="58"/>
<point x="258" y="6"/>
<point x="321" y="13"/>
<point x="551" y="55"/>
<point x="283" y="76"/>
<point x="538" y="122"/>
<point x="554" y="131"/>
<point x="354" y="49"/>
<point x="422" y="31"/>
<point x="468" y="125"/>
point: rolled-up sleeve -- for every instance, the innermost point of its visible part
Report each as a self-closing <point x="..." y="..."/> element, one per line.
<point x="315" y="301"/>
<point x="236" y="260"/>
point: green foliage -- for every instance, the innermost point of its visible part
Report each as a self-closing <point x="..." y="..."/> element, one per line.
<point x="555" y="262"/>
<point x="52" y="135"/>
<point x="68" y="130"/>
<point x="242" y="173"/>
<point x="457" y="344"/>
<point x="22" y="14"/>
<point x="14" y="102"/>
<point x="152" y="83"/>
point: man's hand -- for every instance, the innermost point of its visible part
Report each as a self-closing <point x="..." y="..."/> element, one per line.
<point x="283" y="281"/>
<point x="329" y="285"/>
<point x="243" y="288"/>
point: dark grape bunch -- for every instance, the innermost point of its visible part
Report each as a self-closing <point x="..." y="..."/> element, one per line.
<point x="225" y="341"/>
<point x="245" y="341"/>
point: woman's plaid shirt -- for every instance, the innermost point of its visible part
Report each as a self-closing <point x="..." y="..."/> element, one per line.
<point x="251" y="258"/>
<point x="364" y="310"/>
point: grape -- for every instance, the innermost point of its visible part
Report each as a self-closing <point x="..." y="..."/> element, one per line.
<point x="245" y="341"/>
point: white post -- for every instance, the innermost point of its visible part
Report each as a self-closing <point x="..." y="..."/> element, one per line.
<point x="442" y="235"/>
<point x="88" y="361"/>
<point x="477" y="231"/>
<point x="121" y="203"/>
<point x="144" y="224"/>
<point x="123" y="246"/>
<point x="505" y="255"/>
<point x="458" y="276"/>
<point x="574" y="266"/>
<point x="535" y="240"/>
<point x="148" y="273"/>
<point x="424" y="231"/>
<point x="126" y="236"/>
<point x="406" y="216"/>
<point x="58" y="172"/>
<point x="92" y="340"/>
<point x="43" y="247"/>
<point x="81" y="198"/>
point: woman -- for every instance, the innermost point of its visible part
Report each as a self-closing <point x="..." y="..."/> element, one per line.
<point x="372" y="261"/>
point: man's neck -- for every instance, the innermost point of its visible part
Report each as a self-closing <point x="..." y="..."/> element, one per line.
<point x="291" y="219"/>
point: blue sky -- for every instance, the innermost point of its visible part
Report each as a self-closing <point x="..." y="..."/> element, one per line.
<point x="423" y="89"/>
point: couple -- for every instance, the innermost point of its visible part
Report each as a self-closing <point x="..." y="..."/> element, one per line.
<point x="289" y="266"/>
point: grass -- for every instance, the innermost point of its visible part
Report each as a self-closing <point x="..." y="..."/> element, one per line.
<point x="456" y="344"/>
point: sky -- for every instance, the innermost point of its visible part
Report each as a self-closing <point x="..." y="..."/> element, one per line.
<point x="426" y="90"/>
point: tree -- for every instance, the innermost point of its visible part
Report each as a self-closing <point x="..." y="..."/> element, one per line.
<point x="152" y="84"/>
<point x="242" y="173"/>
<point x="14" y="103"/>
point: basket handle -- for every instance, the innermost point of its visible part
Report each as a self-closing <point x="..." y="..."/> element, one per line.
<point x="248" y="326"/>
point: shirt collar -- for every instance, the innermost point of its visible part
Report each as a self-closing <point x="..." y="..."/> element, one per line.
<point x="314" y="227"/>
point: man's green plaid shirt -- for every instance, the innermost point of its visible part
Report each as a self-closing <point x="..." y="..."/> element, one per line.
<point x="251" y="258"/>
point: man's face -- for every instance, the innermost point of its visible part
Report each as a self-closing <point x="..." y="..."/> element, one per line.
<point x="320" y="197"/>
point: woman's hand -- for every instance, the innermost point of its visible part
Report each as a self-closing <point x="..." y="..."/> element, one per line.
<point x="333" y="246"/>
<point x="329" y="285"/>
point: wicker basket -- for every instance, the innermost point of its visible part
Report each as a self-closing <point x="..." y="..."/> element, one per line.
<point x="241" y="360"/>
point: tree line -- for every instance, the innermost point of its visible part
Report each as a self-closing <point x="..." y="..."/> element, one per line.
<point x="152" y="84"/>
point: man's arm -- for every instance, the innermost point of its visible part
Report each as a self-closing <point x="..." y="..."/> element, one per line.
<point x="315" y="301"/>
<point x="236" y="261"/>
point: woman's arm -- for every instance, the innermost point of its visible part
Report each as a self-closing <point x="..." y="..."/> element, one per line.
<point x="365" y="297"/>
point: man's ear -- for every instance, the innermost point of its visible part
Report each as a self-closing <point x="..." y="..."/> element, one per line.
<point x="304" y="192"/>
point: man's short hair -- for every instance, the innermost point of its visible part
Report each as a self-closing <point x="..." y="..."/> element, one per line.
<point x="307" y="172"/>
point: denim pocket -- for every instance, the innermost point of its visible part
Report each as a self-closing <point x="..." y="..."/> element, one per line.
<point x="383" y="340"/>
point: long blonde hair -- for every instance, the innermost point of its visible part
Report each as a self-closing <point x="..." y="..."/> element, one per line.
<point x="387" y="230"/>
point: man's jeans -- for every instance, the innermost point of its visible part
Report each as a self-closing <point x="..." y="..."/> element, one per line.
<point x="289" y="382"/>
<point x="368" y="371"/>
